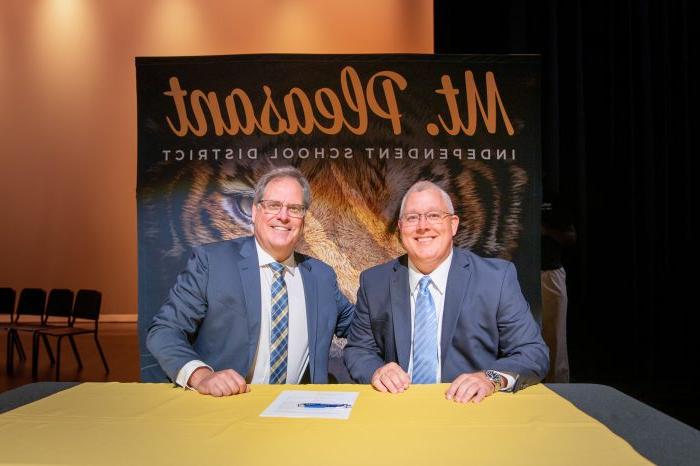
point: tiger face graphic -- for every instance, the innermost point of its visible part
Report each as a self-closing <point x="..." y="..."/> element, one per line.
<point x="352" y="223"/>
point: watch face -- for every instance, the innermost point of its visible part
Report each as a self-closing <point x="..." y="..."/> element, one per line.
<point x="494" y="377"/>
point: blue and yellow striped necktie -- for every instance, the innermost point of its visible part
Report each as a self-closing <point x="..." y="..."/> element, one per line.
<point x="279" y="329"/>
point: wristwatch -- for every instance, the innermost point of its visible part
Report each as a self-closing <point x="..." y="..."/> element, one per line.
<point x="495" y="378"/>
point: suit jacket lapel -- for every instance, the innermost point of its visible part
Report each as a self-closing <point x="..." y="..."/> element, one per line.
<point x="311" y="300"/>
<point x="455" y="291"/>
<point x="401" y="312"/>
<point x="249" y="269"/>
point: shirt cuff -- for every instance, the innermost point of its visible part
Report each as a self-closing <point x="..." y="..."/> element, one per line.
<point x="510" y="382"/>
<point x="186" y="372"/>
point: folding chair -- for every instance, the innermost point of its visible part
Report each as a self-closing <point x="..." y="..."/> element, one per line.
<point x="32" y="301"/>
<point x="59" y="305"/>
<point x="86" y="308"/>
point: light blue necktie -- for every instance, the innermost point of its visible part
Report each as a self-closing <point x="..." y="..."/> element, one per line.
<point x="424" y="336"/>
<point x="279" y="329"/>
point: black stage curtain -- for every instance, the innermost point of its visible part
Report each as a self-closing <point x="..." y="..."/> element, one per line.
<point x="620" y="111"/>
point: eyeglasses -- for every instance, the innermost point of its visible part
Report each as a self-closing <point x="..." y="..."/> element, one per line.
<point x="430" y="217"/>
<point x="274" y="207"/>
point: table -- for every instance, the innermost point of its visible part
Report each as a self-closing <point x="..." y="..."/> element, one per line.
<point x="112" y="423"/>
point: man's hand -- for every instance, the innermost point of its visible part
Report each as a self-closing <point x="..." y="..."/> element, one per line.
<point x="220" y="383"/>
<point x="472" y="387"/>
<point x="390" y="378"/>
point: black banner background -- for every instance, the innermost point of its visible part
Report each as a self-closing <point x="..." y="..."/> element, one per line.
<point x="194" y="189"/>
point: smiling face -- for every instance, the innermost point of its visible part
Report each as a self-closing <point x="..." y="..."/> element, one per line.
<point x="427" y="244"/>
<point x="279" y="233"/>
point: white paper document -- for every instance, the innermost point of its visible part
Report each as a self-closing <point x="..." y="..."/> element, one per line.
<point x="316" y="405"/>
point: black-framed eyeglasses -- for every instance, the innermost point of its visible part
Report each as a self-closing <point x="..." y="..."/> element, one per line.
<point x="274" y="207"/>
<point x="430" y="217"/>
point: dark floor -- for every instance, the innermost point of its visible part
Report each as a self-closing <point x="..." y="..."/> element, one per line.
<point x="119" y="342"/>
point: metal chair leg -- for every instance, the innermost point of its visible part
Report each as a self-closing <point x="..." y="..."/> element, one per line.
<point x="75" y="351"/>
<point x="58" y="356"/>
<point x="18" y="344"/>
<point x="47" y="345"/>
<point x="9" y="365"/>
<point x="102" y="355"/>
<point x="35" y="356"/>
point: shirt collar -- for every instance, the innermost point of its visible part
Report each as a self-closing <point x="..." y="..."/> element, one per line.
<point x="437" y="276"/>
<point x="265" y="259"/>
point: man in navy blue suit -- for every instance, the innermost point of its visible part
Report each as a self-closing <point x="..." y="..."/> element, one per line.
<point x="251" y="310"/>
<point x="442" y="314"/>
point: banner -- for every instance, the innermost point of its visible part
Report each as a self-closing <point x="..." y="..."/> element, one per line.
<point x="362" y="128"/>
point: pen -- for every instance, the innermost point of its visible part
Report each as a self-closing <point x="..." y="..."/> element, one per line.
<point x="324" y="405"/>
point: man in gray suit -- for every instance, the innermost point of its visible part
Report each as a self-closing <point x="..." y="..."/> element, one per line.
<point x="442" y="314"/>
<point x="251" y="310"/>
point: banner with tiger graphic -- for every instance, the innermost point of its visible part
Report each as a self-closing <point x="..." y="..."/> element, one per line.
<point x="362" y="128"/>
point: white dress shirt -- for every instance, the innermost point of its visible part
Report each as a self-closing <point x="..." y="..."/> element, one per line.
<point x="298" y="337"/>
<point x="437" y="287"/>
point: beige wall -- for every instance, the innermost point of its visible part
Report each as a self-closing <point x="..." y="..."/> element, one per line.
<point x="68" y="113"/>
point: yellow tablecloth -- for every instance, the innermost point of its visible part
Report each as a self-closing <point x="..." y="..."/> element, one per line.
<point x="128" y="424"/>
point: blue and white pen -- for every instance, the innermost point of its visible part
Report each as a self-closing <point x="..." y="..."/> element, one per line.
<point x="324" y="405"/>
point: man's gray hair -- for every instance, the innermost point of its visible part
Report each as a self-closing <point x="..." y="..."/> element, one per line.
<point x="424" y="186"/>
<point x="282" y="172"/>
